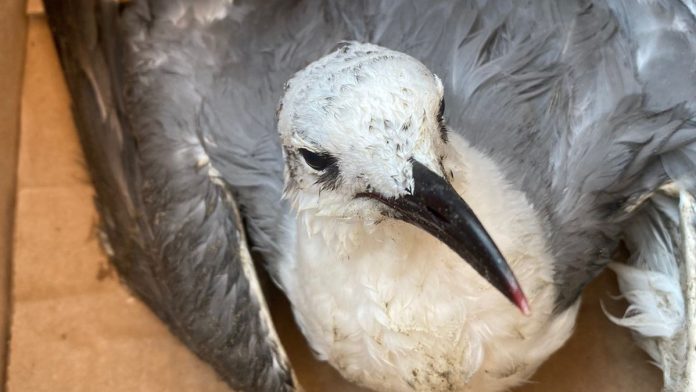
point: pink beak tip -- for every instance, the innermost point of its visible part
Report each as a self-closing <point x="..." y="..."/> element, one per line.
<point x="521" y="302"/>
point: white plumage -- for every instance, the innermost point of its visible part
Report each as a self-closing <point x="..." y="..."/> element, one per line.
<point x="389" y="305"/>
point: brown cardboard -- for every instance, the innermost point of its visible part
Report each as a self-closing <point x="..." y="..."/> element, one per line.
<point x="34" y="7"/>
<point x="76" y="328"/>
<point x="12" y="45"/>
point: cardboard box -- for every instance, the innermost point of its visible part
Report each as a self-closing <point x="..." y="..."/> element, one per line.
<point x="12" y="45"/>
<point x="74" y="327"/>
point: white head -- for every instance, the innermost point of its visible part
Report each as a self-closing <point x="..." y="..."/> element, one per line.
<point x="363" y="138"/>
<point x="366" y="111"/>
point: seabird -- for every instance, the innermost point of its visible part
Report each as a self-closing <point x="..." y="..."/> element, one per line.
<point x="408" y="172"/>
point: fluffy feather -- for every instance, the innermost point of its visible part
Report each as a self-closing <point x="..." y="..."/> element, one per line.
<point x="655" y="282"/>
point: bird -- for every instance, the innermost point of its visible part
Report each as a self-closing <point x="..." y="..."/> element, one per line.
<point x="431" y="184"/>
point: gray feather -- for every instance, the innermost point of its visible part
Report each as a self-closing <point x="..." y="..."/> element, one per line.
<point x="174" y="230"/>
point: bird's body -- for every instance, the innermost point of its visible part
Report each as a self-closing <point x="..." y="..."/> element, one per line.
<point x="367" y="199"/>
<point x="394" y="309"/>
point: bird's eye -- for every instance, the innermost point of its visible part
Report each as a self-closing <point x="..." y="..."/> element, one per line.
<point x="317" y="160"/>
<point x="441" y="110"/>
<point x="441" y="120"/>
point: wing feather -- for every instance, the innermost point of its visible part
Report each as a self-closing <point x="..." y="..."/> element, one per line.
<point x="170" y="218"/>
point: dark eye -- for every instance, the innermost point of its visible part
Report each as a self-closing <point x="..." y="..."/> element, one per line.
<point x="441" y="120"/>
<point x="317" y="160"/>
<point x="441" y="110"/>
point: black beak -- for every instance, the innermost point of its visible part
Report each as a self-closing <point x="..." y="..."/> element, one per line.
<point x="438" y="209"/>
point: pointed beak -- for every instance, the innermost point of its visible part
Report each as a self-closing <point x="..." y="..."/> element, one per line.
<point x="438" y="209"/>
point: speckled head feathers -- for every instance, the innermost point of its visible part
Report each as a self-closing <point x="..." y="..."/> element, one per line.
<point x="368" y="110"/>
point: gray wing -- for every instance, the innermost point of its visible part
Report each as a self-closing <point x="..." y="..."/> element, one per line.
<point x="172" y="226"/>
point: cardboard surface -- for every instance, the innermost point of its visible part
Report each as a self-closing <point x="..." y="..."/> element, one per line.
<point x="12" y="45"/>
<point x="76" y="328"/>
